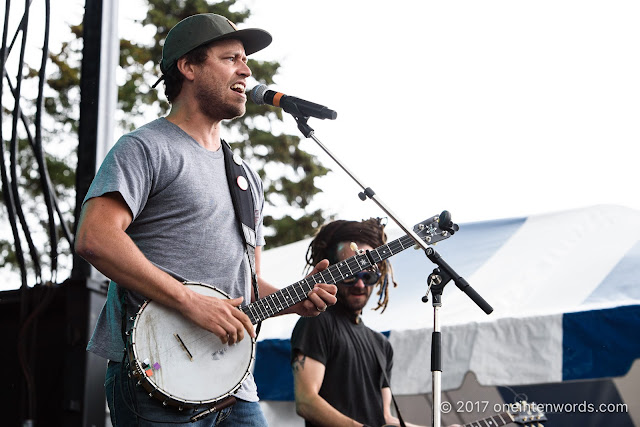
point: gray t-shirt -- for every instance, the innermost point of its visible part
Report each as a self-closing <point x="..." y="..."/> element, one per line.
<point x="183" y="221"/>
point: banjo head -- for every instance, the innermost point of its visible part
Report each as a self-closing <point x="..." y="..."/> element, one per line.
<point x="185" y="364"/>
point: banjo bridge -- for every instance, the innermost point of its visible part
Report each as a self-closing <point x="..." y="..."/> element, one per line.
<point x="184" y="347"/>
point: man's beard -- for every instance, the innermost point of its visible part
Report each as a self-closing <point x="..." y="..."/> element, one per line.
<point x="344" y="294"/>
<point x="211" y="104"/>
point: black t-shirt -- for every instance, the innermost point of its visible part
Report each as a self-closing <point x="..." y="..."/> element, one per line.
<point x="353" y="379"/>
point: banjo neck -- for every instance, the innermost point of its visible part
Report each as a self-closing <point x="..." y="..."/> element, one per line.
<point x="278" y="301"/>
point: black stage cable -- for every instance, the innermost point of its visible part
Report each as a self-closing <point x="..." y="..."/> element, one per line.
<point x="13" y="152"/>
<point x="45" y="181"/>
<point x="48" y="189"/>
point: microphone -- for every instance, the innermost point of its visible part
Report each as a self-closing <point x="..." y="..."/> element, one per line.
<point x="296" y="106"/>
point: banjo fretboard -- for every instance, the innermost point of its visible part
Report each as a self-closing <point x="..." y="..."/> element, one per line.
<point x="274" y="303"/>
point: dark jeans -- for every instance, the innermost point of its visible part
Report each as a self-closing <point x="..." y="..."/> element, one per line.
<point x="124" y="398"/>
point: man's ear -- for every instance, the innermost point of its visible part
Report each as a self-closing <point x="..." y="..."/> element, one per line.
<point x="186" y="68"/>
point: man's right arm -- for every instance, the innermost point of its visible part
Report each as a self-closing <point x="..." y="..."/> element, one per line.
<point x="308" y="375"/>
<point x="102" y="240"/>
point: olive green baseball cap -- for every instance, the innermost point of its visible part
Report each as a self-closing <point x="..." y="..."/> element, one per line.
<point x="200" y="29"/>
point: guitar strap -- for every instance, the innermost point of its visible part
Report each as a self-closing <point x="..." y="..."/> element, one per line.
<point x="244" y="208"/>
<point x="384" y="372"/>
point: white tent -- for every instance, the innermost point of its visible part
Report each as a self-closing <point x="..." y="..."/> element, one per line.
<point x="564" y="288"/>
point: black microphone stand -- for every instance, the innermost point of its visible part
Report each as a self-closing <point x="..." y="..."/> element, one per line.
<point x="437" y="280"/>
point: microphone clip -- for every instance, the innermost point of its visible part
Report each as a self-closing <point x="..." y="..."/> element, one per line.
<point x="303" y="126"/>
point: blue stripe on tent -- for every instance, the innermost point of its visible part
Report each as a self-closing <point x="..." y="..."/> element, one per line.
<point x="600" y="343"/>
<point x="273" y="371"/>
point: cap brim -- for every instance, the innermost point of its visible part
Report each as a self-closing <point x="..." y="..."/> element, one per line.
<point x="253" y="39"/>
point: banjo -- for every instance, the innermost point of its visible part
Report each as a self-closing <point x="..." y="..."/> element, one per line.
<point x="185" y="366"/>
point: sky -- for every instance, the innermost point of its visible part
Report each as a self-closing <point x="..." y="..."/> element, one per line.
<point x="489" y="109"/>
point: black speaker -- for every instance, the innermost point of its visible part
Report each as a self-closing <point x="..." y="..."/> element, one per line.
<point x="48" y="378"/>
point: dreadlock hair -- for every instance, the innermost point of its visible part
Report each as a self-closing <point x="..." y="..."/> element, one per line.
<point x="370" y="231"/>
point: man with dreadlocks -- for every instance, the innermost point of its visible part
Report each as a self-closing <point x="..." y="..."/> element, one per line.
<point x="337" y="376"/>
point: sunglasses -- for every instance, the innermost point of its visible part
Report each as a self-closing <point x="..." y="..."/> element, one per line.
<point x="368" y="278"/>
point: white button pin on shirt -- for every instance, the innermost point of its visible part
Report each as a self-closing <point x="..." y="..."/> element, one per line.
<point x="242" y="183"/>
